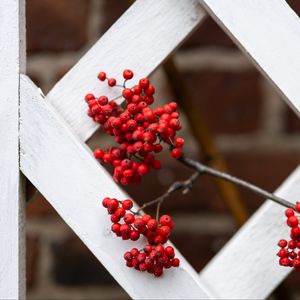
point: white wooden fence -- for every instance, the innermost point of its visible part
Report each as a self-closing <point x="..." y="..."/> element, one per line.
<point x="44" y="137"/>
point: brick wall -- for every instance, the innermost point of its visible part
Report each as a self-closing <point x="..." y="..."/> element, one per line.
<point x="254" y="129"/>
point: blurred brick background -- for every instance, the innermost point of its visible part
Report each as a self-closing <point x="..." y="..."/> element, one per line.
<point x="254" y="129"/>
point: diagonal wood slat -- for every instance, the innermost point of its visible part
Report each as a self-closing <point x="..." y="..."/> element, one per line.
<point x="269" y="33"/>
<point x="64" y="170"/>
<point x="135" y="41"/>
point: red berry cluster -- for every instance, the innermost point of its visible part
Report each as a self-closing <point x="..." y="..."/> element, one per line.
<point x="137" y="129"/>
<point x="128" y="225"/>
<point x="289" y="254"/>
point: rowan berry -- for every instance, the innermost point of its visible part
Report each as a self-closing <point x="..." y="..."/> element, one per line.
<point x="152" y="224"/>
<point x="111" y="81"/>
<point x="176" y="153"/>
<point x="89" y="97"/>
<point x="297" y="207"/>
<point x="102" y="76"/>
<point x="175" y="262"/>
<point x="144" y="83"/>
<point x="127" y="74"/>
<point x="289" y="212"/>
<point x="134" y="235"/>
<point x="179" y="142"/>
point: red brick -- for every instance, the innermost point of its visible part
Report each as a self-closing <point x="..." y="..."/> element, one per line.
<point x="292" y="121"/>
<point x="231" y="101"/>
<point x="32" y="256"/>
<point x="209" y="33"/>
<point x="39" y="207"/>
<point x="111" y="12"/>
<point x="56" y="25"/>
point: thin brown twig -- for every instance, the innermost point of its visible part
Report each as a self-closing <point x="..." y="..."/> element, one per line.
<point x="185" y="186"/>
<point x="203" y="169"/>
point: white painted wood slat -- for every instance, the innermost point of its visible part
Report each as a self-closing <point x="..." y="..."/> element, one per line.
<point x="269" y="33"/>
<point x="64" y="170"/>
<point x="140" y="40"/>
<point x="12" y="60"/>
<point x="247" y="267"/>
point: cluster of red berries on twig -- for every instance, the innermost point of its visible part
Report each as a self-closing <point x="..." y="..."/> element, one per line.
<point x="137" y="129"/>
<point x="289" y="254"/>
<point x="154" y="257"/>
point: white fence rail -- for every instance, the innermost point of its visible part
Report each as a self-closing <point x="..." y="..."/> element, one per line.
<point x="12" y="275"/>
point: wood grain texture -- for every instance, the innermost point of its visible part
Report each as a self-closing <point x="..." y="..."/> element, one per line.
<point x="140" y="40"/>
<point x="269" y="33"/>
<point x="64" y="170"/>
<point x="12" y="275"/>
<point x="247" y="267"/>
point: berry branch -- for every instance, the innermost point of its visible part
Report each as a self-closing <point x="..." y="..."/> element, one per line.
<point x="140" y="133"/>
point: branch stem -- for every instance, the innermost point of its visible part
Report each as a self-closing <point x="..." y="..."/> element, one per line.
<point x="185" y="186"/>
<point x="203" y="169"/>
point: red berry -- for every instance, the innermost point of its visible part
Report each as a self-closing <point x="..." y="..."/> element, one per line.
<point x="152" y="224"/>
<point x="115" y="228"/>
<point x="292" y="221"/>
<point x="89" y="97"/>
<point x="176" y="153"/>
<point x="125" y="229"/>
<point x="144" y="83"/>
<point x="289" y="212"/>
<point x="179" y="142"/>
<point x="129" y="218"/>
<point x="282" y="243"/>
<point x="166" y="220"/>
<point x="127" y="74"/>
<point x="128" y="255"/>
<point x="150" y="90"/>
<point x="146" y="218"/>
<point x="139" y="223"/>
<point x="134" y="235"/>
<point x="160" y="250"/>
<point x="134" y="251"/>
<point x="175" y="262"/>
<point x="148" y="249"/>
<point x="120" y="212"/>
<point x="105" y="201"/>
<point x="111" y="81"/>
<point x="114" y="218"/>
<point x="170" y="251"/>
<point x="102" y="100"/>
<point x="127" y="93"/>
<point x="143" y="169"/>
<point x="143" y="267"/>
<point x="112" y="206"/>
<point x="102" y="76"/>
<point x="297" y="207"/>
